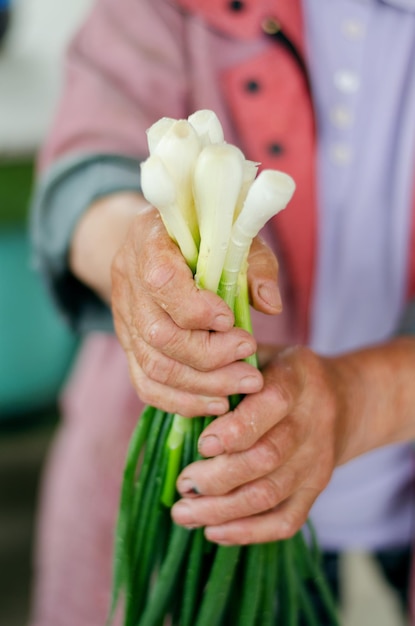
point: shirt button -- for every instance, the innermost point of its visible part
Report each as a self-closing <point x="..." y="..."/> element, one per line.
<point x="340" y="153"/>
<point x="341" y="117"/>
<point x="353" y="29"/>
<point x="236" y="5"/>
<point x="346" y="81"/>
<point x="252" y="85"/>
<point x="275" y="149"/>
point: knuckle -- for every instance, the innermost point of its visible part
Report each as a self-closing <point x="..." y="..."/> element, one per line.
<point x="263" y="496"/>
<point x="173" y="339"/>
<point x="187" y="404"/>
<point x="234" y="433"/>
<point x="160" y="368"/>
<point x="194" y="314"/>
<point x="168" y="372"/>
<point x="226" y="509"/>
<point x="186" y="410"/>
<point x="154" y="366"/>
<point x="244" y="429"/>
<point x="157" y="273"/>
<point x="216" y="349"/>
<point x="268" y="455"/>
<point x="283" y="397"/>
<point x="285" y="482"/>
<point x="207" y="351"/>
<point x="208" y="355"/>
<point x="290" y="523"/>
<point x="156" y="332"/>
<point x="278" y="395"/>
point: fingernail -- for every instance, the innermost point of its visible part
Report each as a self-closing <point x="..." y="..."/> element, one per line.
<point x="249" y="384"/>
<point x="222" y="323"/>
<point x="243" y="350"/>
<point x="182" y="514"/>
<point x="186" y="486"/>
<point x="217" y="407"/>
<point x="270" y="294"/>
<point x="210" y="446"/>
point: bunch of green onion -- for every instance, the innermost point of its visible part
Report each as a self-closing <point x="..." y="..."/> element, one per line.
<point x="212" y="203"/>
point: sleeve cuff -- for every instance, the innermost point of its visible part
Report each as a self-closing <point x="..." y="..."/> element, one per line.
<point x="60" y="199"/>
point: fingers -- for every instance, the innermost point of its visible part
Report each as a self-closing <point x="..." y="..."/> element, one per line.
<point x="272" y="507"/>
<point x="166" y="322"/>
<point x="161" y="275"/>
<point x="294" y="474"/>
<point x="172" y="400"/>
<point x="167" y="383"/>
<point x="255" y="497"/>
<point x="202" y="350"/>
<point x="258" y="412"/>
<point x="238" y="377"/>
<point x="282" y="522"/>
<point x="174" y="386"/>
<point x="263" y="278"/>
<point x="263" y="488"/>
<point x="222" y="474"/>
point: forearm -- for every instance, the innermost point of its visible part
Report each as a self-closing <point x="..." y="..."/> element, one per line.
<point x="274" y="454"/>
<point x="378" y="388"/>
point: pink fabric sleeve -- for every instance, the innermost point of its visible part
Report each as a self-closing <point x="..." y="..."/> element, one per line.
<point x="125" y="69"/>
<point x="80" y="490"/>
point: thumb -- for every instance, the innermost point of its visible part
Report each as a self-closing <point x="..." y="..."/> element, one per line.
<point x="263" y="278"/>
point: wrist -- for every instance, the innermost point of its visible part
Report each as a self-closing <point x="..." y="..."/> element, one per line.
<point x="99" y="234"/>
<point x="378" y="397"/>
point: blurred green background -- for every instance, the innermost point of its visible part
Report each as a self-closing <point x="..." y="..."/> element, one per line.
<point x="36" y="352"/>
<point x="37" y="349"/>
<point x="36" y="346"/>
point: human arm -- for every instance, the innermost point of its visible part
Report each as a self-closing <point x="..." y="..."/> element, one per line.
<point x="272" y="448"/>
<point x="102" y="221"/>
<point x="190" y="355"/>
<point x="120" y="62"/>
<point x="276" y="452"/>
<point x="163" y="321"/>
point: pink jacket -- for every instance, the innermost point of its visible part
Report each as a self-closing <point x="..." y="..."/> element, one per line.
<point x="133" y="62"/>
<point x="165" y="60"/>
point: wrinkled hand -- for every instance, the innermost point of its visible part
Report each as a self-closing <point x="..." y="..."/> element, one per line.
<point x="184" y="354"/>
<point x="272" y="455"/>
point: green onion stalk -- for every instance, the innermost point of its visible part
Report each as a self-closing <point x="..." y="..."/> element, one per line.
<point x="212" y="203"/>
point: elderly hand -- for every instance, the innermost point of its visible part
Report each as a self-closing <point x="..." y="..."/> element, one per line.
<point x="274" y="454"/>
<point x="184" y="354"/>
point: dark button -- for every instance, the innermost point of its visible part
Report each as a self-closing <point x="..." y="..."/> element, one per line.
<point x="252" y="86"/>
<point x="275" y="149"/>
<point x="236" y="5"/>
